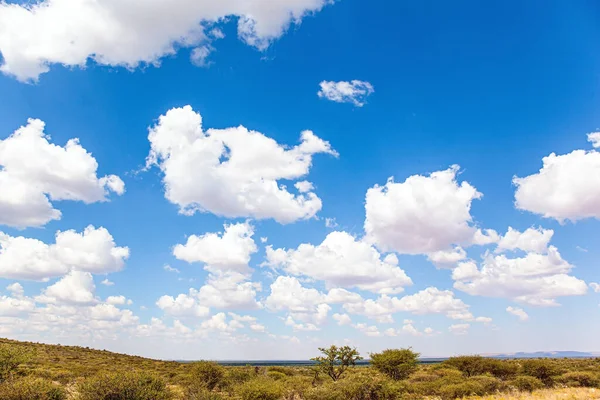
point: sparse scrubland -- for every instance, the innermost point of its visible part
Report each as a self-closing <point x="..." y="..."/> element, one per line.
<point x="30" y="371"/>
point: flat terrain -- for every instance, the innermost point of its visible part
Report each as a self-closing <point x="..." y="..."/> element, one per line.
<point x="77" y="373"/>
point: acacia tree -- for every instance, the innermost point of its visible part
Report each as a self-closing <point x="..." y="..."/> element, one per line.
<point x="336" y="360"/>
<point x="396" y="363"/>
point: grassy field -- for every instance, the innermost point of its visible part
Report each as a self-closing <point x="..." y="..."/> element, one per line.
<point x="30" y="371"/>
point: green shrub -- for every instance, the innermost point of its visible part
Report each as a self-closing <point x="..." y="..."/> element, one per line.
<point x="396" y="363"/>
<point x="489" y="384"/>
<point x="335" y="360"/>
<point x="460" y="390"/>
<point x="580" y="378"/>
<point x="284" y="370"/>
<point x="29" y="388"/>
<point x="207" y="373"/>
<point x="11" y="356"/>
<point x="544" y="370"/>
<point x="468" y="365"/>
<point x="501" y="369"/>
<point x="124" y="386"/>
<point x="261" y="389"/>
<point x="276" y="375"/>
<point x="526" y="383"/>
<point x="295" y="386"/>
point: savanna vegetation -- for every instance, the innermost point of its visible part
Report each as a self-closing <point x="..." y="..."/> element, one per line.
<point x="30" y="371"/>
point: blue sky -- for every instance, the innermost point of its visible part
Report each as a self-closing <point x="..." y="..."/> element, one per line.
<point x="491" y="88"/>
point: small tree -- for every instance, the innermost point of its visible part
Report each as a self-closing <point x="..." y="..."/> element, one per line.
<point x="396" y="363"/>
<point x="207" y="373"/>
<point x="336" y="360"/>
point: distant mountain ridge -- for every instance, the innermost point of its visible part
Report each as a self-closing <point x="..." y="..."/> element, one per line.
<point x="547" y="354"/>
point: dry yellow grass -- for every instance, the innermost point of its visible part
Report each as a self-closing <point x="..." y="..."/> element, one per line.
<point x="548" y="394"/>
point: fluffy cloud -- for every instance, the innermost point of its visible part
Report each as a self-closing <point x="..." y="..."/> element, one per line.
<point x="532" y="240"/>
<point x="229" y="251"/>
<point x="127" y="33"/>
<point x="16" y="305"/>
<point x="371" y="331"/>
<point x="424" y="214"/>
<point x="459" y="329"/>
<point x="595" y="287"/>
<point x="93" y="251"/>
<point x="34" y="171"/>
<point x="594" y="139"/>
<point x="226" y="257"/>
<point x="342" y="319"/>
<point x="342" y="261"/>
<point x="118" y="300"/>
<point x="535" y="279"/>
<point x="518" y="312"/>
<point x="427" y="301"/>
<point x="304" y="304"/>
<point x="75" y="288"/>
<point x="355" y="92"/>
<point x="183" y="305"/>
<point x="408" y="328"/>
<point x="230" y="291"/>
<point x="447" y="258"/>
<point x="232" y="172"/>
<point x="566" y="188"/>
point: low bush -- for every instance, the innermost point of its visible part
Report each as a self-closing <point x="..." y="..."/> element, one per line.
<point x="29" y="388"/>
<point x="124" y="386"/>
<point x="525" y="383"/>
<point x="261" y="389"/>
<point x="11" y="356"/>
<point x="580" y="379"/>
<point x="543" y="369"/>
<point x="209" y="374"/>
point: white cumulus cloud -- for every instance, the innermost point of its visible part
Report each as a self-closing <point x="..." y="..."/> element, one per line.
<point x="566" y="188"/>
<point x="92" y="250"/>
<point x="34" y="173"/>
<point x="342" y="261"/>
<point x="232" y="172"/>
<point x="518" y="312"/>
<point x="536" y="278"/>
<point x="355" y="92"/>
<point x="127" y="33"/>
<point x="424" y="214"/>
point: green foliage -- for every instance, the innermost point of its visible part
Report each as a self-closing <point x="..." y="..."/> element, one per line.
<point x="526" y="383"/>
<point x="580" y="378"/>
<point x="468" y="365"/>
<point x="11" y="356"/>
<point x="29" y="388"/>
<point x="501" y="369"/>
<point x="261" y="389"/>
<point x="124" y="386"/>
<point x="544" y="370"/>
<point x="396" y="363"/>
<point x="336" y="360"/>
<point x="207" y="373"/>
<point x="460" y="390"/>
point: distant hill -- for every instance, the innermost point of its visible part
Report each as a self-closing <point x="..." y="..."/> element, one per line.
<point x="548" y="354"/>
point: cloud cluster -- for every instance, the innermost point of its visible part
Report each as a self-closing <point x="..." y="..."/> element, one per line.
<point x="232" y="172"/>
<point x="34" y="172"/>
<point x="225" y="256"/>
<point x="537" y="278"/>
<point x="342" y="261"/>
<point x="92" y="250"/>
<point x="126" y="33"/>
<point x="355" y="92"/>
